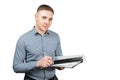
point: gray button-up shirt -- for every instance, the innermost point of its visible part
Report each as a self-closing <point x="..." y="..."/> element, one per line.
<point x="31" y="47"/>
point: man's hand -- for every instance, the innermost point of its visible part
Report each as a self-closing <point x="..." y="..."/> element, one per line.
<point x="45" y="62"/>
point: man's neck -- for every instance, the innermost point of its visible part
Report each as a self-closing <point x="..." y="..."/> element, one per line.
<point x="40" y="31"/>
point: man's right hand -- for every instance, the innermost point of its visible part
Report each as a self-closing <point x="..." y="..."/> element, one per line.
<point x="44" y="62"/>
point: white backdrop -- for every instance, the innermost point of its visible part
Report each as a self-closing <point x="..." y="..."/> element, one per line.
<point x="89" y="27"/>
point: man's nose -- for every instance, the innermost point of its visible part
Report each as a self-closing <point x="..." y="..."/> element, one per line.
<point x="46" y="21"/>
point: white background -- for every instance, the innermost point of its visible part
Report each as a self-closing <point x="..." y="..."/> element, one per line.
<point x="88" y="27"/>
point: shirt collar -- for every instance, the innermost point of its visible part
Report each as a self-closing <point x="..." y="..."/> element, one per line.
<point x="35" y="32"/>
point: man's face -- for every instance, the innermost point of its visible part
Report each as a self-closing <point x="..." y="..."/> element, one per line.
<point x="43" y="19"/>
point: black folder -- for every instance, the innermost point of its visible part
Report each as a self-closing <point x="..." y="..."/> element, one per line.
<point x="67" y="61"/>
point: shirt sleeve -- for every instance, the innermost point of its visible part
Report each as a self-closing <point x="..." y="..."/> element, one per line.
<point x="58" y="51"/>
<point x="19" y="64"/>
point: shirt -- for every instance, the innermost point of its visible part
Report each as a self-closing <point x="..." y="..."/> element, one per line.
<point x="31" y="47"/>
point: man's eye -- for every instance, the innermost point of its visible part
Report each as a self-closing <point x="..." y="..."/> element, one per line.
<point x="50" y="19"/>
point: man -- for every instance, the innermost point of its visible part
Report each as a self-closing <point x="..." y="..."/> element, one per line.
<point x="36" y="49"/>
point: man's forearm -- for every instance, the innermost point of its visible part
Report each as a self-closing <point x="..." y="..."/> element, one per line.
<point x="24" y="67"/>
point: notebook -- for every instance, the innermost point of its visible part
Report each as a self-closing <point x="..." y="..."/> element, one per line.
<point x="67" y="61"/>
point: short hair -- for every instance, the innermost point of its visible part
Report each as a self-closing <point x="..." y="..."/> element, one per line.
<point x="45" y="7"/>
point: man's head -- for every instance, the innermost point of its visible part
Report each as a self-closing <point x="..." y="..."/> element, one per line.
<point x="43" y="17"/>
<point x="45" y="7"/>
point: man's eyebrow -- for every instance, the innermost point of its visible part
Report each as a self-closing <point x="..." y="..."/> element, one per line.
<point x="44" y="16"/>
<point x="47" y="17"/>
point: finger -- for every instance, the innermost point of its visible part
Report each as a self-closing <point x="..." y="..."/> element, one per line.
<point x="50" y="62"/>
<point x="47" y="64"/>
<point x="49" y="58"/>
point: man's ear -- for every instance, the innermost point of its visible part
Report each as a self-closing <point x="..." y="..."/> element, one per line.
<point x="36" y="16"/>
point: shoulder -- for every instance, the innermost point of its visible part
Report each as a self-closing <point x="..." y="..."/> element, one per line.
<point x="26" y="35"/>
<point x="53" y="33"/>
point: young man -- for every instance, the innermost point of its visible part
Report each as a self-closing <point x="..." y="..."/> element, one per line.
<point x="36" y="49"/>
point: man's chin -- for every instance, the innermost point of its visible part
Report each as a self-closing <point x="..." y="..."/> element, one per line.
<point x="45" y="29"/>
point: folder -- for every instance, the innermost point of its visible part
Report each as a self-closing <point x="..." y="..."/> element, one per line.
<point x="68" y="61"/>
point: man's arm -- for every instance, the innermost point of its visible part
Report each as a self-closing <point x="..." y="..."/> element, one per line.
<point x="58" y="51"/>
<point x="19" y="64"/>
